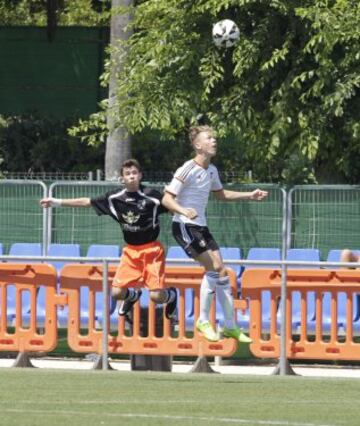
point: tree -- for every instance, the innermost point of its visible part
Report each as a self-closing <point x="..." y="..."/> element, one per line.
<point x="118" y="145"/>
<point x="288" y="92"/>
<point x="84" y="12"/>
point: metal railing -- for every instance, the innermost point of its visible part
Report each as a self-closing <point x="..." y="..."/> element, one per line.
<point x="283" y="361"/>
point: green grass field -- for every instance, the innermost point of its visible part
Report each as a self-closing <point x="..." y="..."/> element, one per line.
<point x="40" y="397"/>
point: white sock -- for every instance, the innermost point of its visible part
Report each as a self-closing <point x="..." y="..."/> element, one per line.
<point x="225" y="297"/>
<point x="207" y="291"/>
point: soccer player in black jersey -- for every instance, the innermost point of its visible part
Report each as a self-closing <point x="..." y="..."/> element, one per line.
<point x="136" y="209"/>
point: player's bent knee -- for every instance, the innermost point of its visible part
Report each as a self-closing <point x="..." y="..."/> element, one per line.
<point x="221" y="270"/>
<point x="157" y="296"/>
<point x="118" y="293"/>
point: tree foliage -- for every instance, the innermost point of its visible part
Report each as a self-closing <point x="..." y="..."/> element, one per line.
<point x="68" y="12"/>
<point x="288" y="92"/>
<point x="286" y="96"/>
<point x="29" y="142"/>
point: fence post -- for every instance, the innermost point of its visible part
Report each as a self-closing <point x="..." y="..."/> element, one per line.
<point x="105" y="324"/>
<point x="284" y="367"/>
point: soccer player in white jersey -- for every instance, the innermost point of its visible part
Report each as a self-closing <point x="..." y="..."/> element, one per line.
<point x="187" y="196"/>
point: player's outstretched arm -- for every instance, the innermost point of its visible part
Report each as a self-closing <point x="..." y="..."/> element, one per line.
<point x="258" y="194"/>
<point x="173" y="206"/>
<point x="226" y="195"/>
<point x="65" y="202"/>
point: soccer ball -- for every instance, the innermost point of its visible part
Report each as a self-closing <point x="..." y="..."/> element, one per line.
<point x="225" y="33"/>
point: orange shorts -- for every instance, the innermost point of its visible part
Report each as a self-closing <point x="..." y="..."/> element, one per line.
<point x="142" y="265"/>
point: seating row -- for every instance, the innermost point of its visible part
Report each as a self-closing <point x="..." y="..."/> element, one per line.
<point x="174" y="252"/>
<point x="73" y="250"/>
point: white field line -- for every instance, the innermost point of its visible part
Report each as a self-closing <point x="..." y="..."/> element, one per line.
<point x="167" y="417"/>
<point x="157" y="402"/>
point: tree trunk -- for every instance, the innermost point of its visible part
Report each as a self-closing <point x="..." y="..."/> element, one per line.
<point x="118" y="144"/>
<point x="51" y="13"/>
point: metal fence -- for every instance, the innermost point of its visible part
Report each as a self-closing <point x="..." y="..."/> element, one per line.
<point x="322" y="217"/>
<point x="244" y="224"/>
<point x="54" y="176"/>
<point x="21" y="218"/>
<point x="160" y="177"/>
<point x="80" y="225"/>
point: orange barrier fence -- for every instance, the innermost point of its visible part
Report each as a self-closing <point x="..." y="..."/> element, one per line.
<point x="22" y="282"/>
<point x="27" y="289"/>
<point x="322" y="316"/>
<point x="160" y="338"/>
<point x="313" y="292"/>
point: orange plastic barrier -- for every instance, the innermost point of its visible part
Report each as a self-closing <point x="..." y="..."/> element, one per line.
<point x="24" y="281"/>
<point x="160" y="339"/>
<point x="321" y="343"/>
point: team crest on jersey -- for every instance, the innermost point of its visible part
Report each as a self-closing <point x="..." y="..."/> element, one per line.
<point x="130" y="217"/>
<point x="202" y="243"/>
<point x="141" y="204"/>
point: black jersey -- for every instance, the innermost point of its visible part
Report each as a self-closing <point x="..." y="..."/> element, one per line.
<point x="136" y="212"/>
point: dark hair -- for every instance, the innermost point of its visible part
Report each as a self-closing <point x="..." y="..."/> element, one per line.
<point x="130" y="163"/>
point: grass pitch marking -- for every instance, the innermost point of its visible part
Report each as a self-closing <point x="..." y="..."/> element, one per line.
<point x="167" y="417"/>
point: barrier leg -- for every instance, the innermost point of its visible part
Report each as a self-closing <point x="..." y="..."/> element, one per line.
<point x="218" y="361"/>
<point x="98" y="364"/>
<point x="285" y="369"/>
<point x="202" y="366"/>
<point x="23" y="361"/>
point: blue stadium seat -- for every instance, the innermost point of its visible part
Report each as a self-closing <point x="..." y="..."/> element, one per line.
<point x="333" y="255"/>
<point x="68" y="250"/>
<point x="21" y="249"/>
<point x="1" y="249"/>
<point x="176" y="252"/>
<point x="103" y="250"/>
<point x="266" y="253"/>
<point x="25" y="249"/>
<point x="229" y="253"/>
<point x="305" y="254"/>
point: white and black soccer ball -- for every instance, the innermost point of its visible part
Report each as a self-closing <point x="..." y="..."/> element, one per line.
<point x="225" y="33"/>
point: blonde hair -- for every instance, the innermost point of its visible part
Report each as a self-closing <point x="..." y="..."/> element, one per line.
<point x="194" y="131"/>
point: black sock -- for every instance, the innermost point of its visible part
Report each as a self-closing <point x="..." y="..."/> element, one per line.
<point x="170" y="295"/>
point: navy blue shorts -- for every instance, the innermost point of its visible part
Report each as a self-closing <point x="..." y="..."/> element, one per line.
<point x="194" y="239"/>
